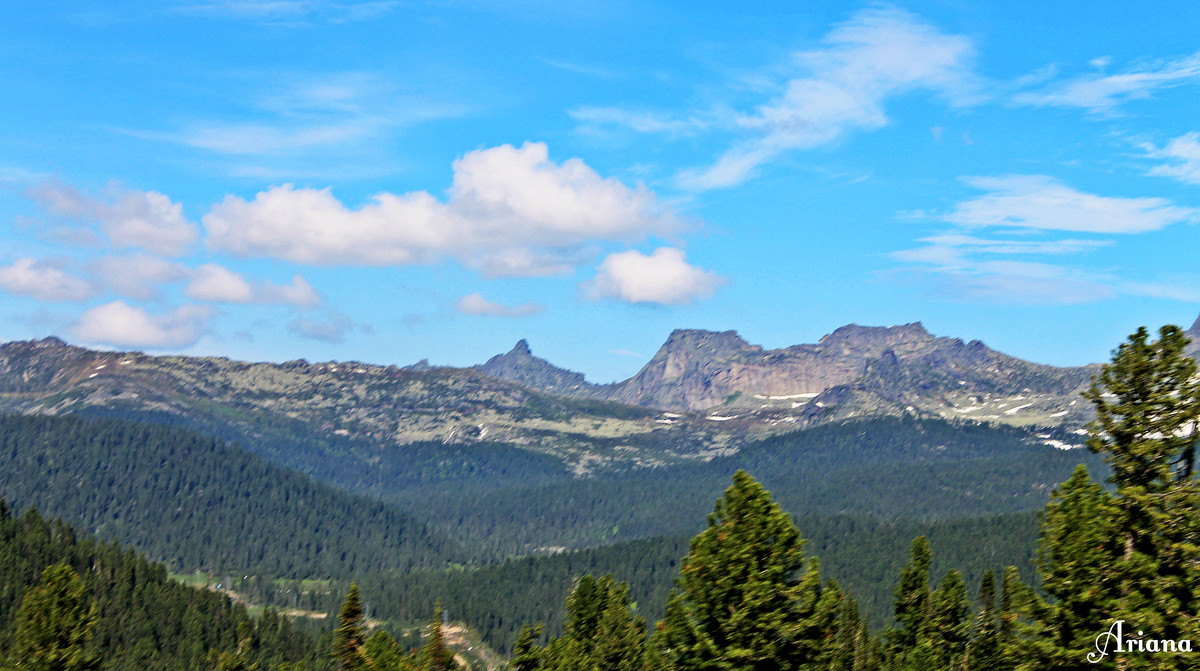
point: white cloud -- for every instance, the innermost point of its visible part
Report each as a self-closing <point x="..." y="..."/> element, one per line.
<point x="880" y="53"/>
<point x="1183" y="154"/>
<point x="1022" y="214"/>
<point x="122" y="325"/>
<point x="129" y="218"/>
<point x="1041" y="202"/>
<point x="510" y="211"/>
<point x="1102" y="93"/>
<point x="664" y="277"/>
<point x="44" y="281"/>
<point x="476" y="304"/>
<point x="217" y="284"/>
<point x="139" y="275"/>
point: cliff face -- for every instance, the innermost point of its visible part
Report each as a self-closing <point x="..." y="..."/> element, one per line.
<point x="855" y="370"/>
<point x="696" y="370"/>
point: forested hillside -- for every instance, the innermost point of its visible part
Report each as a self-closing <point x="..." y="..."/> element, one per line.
<point x="143" y="620"/>
<point x="882" y="467"/>
<point x="197" y="503"/>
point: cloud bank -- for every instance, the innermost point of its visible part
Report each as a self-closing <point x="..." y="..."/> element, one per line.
<point x="510" y="212"/>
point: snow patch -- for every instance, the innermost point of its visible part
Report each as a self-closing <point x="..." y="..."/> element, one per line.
<point x="1019" y="408"/>
<point x="719" y="418"/>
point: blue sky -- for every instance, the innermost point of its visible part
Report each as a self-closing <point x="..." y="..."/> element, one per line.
<point x="388" y="181"/>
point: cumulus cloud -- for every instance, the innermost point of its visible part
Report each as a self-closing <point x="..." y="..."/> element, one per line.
<point x="138" y="275"/>
<point x="476" y="304"/>
<point x="122" y="325"/>
<point x="1041" y="202"/>
<point x="1183" y="159"/>
<point x="880" y="53"/>
<point x="664" y="277"/>
<point x="1102" y="93"/>
<point x="509" y="212"/>
<point x="214" y="283"/>
<point x="45" y="281"/>
<point x="128" y="218"/>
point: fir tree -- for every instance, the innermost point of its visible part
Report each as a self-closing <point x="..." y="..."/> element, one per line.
<point x="54" y="625"/>
<point x="434" y="655"/>
<point x="912" y="599"/>
<point x="526" y="654"/>
<point x="350" y="635"/>
<point x="741" y="602"/>
<point x="985" y="636"/>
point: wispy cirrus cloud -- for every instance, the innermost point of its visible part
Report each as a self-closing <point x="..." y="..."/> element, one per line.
<point x="833" y="91"/>
<point x="1103" y="93"/>
<point x="1183" y="158"/>
<point x="996" y="253"/>
<point x="1046" y="203"/>
<point x="305" y="126"/>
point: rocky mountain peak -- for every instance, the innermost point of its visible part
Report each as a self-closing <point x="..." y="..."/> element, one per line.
<point x="521" y="349"/>
<point x="521" y="366"/>
<point x="854" y="334"/>
<point x="712" y="343"/>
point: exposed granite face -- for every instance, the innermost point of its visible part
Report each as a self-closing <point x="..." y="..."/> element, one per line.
<point x="853" y="370"/>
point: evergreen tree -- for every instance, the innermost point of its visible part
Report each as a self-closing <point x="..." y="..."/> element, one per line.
<point x="434" y="655"/>
<point x="912" y="599"/>
<point x="351" y="633"/>
<point x="526" y="654"/>
<point x="741" y="602"/>
<point x="385" y="653"/>
<point x="54" y="625"/>
<point x="949" y="623"/>
<point x="1147" y="407"/>
<point x="985" y="637"/>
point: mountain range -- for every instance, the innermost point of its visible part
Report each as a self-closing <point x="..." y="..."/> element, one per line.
<point x="701" y="395"/>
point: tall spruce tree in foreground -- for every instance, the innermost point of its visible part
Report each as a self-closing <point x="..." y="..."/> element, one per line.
<point x="54" y="625"/>
<point x="744" y="597"/>
<point x="1132" y="555"/>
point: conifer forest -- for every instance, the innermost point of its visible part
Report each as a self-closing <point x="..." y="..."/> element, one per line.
<point x="901" y="542"/>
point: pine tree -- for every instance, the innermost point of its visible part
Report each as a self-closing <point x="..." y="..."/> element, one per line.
<point x="434" y="655"/>
<point x="351" y="633"/>
<point x="54" y="625"/>
<point x="741" y="600"/>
